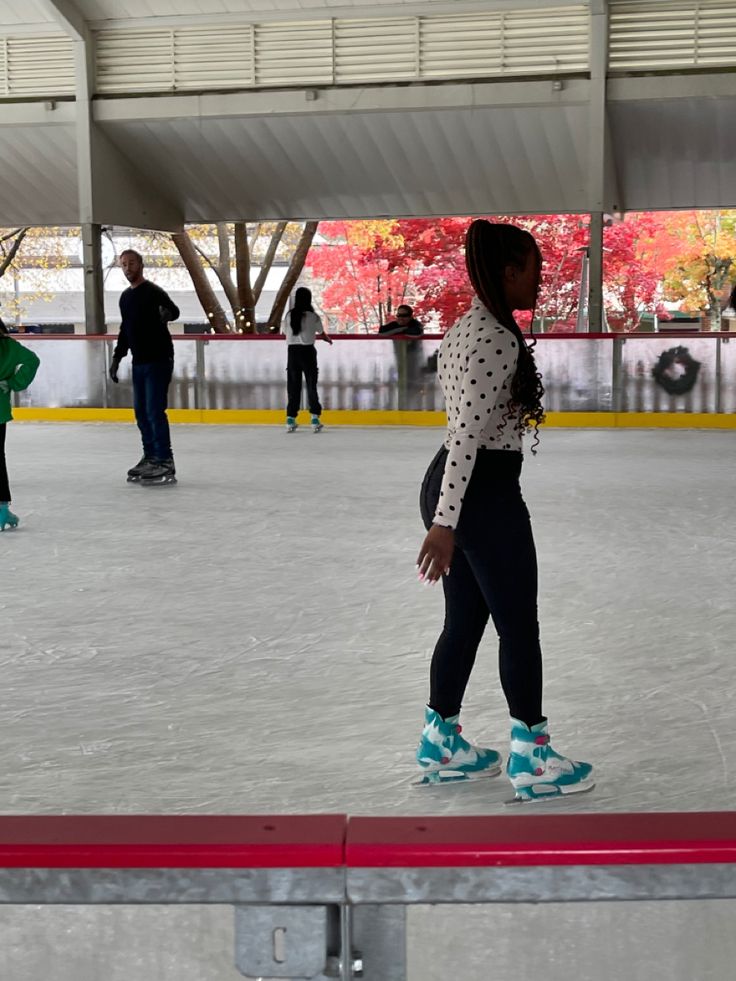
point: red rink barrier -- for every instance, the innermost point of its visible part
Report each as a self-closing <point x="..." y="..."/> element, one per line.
<point x="541" y="839"/>
<point x="172" y="841"/>
<point x="334" y="841"/>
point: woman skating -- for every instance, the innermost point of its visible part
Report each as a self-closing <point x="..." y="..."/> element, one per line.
<point x="18" y="367"/>
<point x="479" y="537"/>
<point x="301" y="327"/>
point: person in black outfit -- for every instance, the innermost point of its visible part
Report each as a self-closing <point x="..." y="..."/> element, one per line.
<point x="146" y="310"/>
<point x="302" y="327"/>
<point x="405" y="323"/>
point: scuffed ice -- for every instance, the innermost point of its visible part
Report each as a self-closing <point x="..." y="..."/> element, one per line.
<point x="255" y="640"/>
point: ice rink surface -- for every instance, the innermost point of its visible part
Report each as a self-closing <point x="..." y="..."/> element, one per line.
<point x="255" y="640"/>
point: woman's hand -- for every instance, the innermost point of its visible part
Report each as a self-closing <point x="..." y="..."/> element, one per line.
<point x="435" y="554"/>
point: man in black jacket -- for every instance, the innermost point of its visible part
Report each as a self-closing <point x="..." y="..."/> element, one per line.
<point x="146" y="310"/>
<point x="404" y="323"/>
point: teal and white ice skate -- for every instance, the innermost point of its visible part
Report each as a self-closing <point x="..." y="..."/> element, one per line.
<point x="7" y="518"/>
<point x="445" y="757"/>
<point x="537" y="772"/>
<point x="316" y="425"/>
<point x="291" y="424"/>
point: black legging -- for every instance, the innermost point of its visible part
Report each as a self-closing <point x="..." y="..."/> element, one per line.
<point x="493" y="572"/>
<point x="302" y="359"/>
<point x="4" y="485"/>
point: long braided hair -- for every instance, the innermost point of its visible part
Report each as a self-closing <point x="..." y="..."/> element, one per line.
<point x="489" y="248"/>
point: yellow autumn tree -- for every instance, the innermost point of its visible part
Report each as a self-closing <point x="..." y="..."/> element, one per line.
<point x="29" y="258"/>
<point x="701" y="272"/>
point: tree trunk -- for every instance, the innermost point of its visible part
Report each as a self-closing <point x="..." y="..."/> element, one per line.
<point x="223" y="266"/>
<point x="210" y="304"/>
<point x="247" y="312"/>
<point x="278" y="234"/>
<point x="8" y="258"/>
<point x="292" y="274"/>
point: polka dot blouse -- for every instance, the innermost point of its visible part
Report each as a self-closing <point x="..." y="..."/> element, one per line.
<point x="475" y="365"/>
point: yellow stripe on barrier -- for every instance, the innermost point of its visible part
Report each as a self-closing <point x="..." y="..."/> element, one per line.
<point x="348" y="417"/>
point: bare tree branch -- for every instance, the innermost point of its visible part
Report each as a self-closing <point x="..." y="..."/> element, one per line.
<point x="242" y="270"/>
<point x="222" y="272"/>
<point x="7" y="259"/>
<point x="292" y="274"/>
<point x="254" y="237"/>
<point x="16" y="231"/>
<point x="210" y="304"/>
<point x="268" y="258"/>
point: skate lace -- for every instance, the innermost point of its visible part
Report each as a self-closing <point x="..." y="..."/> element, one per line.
<point x="541" y="740"/>
<point x="458" y="729"/>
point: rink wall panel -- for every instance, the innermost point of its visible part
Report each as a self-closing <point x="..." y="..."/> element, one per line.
<point x="601" y="379"/>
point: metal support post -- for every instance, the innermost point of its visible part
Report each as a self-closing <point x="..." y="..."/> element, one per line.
<point x="602" y="185"/>
<point x="595" y="274"/>
<point x="401" y="375"/>
<point x="94" y="304"/>
<point x="200" y="380"/>
<point x="617" y="373"/>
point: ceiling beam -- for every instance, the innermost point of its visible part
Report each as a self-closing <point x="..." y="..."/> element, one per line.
<point x="67" y="16"/>
<point x="267" y="14"/>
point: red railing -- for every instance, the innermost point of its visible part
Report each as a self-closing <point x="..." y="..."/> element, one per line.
<point x="335" y="841"/>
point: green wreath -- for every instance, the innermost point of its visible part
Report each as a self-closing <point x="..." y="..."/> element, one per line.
<point x="680" y="384"/>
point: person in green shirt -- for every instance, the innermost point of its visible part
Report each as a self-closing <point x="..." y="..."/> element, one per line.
<point x="18" y="367"/>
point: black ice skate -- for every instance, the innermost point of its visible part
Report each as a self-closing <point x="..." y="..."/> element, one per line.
<point x="134" y="474"/>
<point x="158" y="472"/>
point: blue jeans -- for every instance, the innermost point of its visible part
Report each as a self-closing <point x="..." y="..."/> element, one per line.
<point x="150" y="390"/>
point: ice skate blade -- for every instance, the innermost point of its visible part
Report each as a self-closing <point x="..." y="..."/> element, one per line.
<point x="158" y="482"/>
<point x="437" y="778"/>
<point x="317" y="429"/>
<point x="584" y="787"/>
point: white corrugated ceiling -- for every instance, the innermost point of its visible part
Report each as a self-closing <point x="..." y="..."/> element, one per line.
<point x="39" y="175"/>
<point x="20" y="12"/>
<point x="452" y="161"/>
<point x="676" y="154"/>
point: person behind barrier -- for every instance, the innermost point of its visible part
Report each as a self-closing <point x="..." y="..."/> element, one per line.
<point x="479" y="538"/>
<point x="405" y="323"/>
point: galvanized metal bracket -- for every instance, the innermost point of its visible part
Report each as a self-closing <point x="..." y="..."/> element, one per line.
<point x="307" y="943"/>
<point x="296" y="942"/>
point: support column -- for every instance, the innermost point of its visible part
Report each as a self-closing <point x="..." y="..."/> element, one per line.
<point x="595" y="274"/>
<point x="94" y="303"/>
<point x="599" y="161"/>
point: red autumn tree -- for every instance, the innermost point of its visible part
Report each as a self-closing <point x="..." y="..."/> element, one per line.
<point x="359" y="286"/>
<point x="422" y="261"/>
